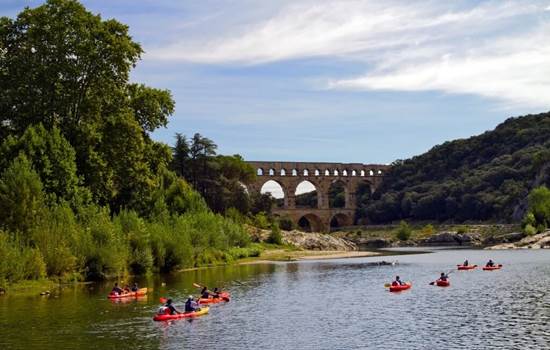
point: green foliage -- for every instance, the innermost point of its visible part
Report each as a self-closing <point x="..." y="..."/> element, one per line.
<point x="428" y="230"/>
<point x="529" y="230"/>
<point x="275" y="237"/>
<point x="21" y="197"/>
<point x="484" y="177"/>
<point x="404" y="231"/>
<point x="286" y="223"/>
<point x="261" y="220"/>
<point x="539" y="208"/>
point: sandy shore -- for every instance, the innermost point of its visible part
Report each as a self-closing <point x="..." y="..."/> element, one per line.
<point x="279" y="255"/>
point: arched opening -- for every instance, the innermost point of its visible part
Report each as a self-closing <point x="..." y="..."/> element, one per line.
<point x="310" y="223"/>
<point x="317" y="172"/>
<point x="271" y="172"/>
<point x="260" y="172"/>
<point x="327" y="172"/>
<point x="339" y="220"/>
<point x="276" y="191"/>
<point x="294" y="172"/>
<point x="353" y="173"/>
<point x="336" y="172"/>
<point x="283" y="172"/>
<point x="306" y="172"/>
<point x="379" y="172"/>
<point x="306" y="195"/>
<point x="371" y="173"/>
<point x="362" y="172"/>
<point x="344" y="172"/>
<point x="337" y="195"/>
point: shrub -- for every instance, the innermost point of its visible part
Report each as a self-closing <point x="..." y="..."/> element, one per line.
<point x="275" y="236"/>
<point x="529" y="230"/>
<point x="428" y="230"/>
<point x="285" y="223"/>
<point x="403" y="232"/>
<point x="261" y="220"/>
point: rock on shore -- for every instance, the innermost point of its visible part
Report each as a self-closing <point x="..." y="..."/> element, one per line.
<point x="539" y="241"/>
<point x="308" y="240"/>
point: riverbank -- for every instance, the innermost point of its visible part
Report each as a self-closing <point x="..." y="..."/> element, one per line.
<point x="280" y="255"/>
<point x="539" y="241"/>
<point x="422" y="234"/>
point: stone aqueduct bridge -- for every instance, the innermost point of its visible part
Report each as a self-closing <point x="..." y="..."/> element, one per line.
<point x="322" y="175"/>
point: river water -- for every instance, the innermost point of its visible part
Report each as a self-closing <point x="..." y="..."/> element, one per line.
<point x="331" y="304"/>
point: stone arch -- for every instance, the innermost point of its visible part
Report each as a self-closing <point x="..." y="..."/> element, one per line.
<point x="271" y="172"/>
<point x="306" y="195"/>
<point x="362" y="172"/>
<point x="317" y="172"/>
<point x="305" y="172"/>
<point x="260" y="172"/>
<point x="345" y="172"/>
<point x="276" y="190"/>
<point x="338" y="194"/>
<point x="283" y="172"/>
<point x="340" y="220"/>
<point x="327" y="172"/>
<point x="310" y="223"/>
<point x="336" y="172"/>
<point x="294" y="172"/>
<point x="371" y="172"/>
<point x="379" y="172"/>
<point x="353" y="173"/>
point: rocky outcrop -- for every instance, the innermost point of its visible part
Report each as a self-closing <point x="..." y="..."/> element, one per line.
<point x="539" y="241"/>
<point x="451" y="239"/>
<point x="317" y="241"/>
<point x="307" y="240"/>
<point x="373" y="243"/>
<point x="505" y="238"/>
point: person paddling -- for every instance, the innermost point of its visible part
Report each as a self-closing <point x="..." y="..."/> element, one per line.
<point x="465" y="263"/>
<point x="135" y="287"/>
<point x="191" y="305"/>
<point x="116" y="289"/>
<point x="171" y="308"/>
<point x="397" y="282"/>
<point x="216" y="293"/>
<point x="490" y="263"/>
<point x="443" y="277"/>
<point x="205" y="293"/>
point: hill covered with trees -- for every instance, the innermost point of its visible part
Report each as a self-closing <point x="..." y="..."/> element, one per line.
<point x="482" y="178"/>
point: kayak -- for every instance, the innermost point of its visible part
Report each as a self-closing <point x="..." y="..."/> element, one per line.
<point x="167" y="317"/>
<point x="399" y="288"/>
<point x="468" y="267"/>
<point x="224" y="296"/>
<point x="441" y="283"/>
<point x="491" y="268"/>
<point x="139" y="293"/>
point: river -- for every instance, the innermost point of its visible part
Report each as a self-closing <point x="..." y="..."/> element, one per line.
<point x="330" y="304"/>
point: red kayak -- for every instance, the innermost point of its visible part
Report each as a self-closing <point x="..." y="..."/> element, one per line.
<point x="467" y="267"/>
<point x="224" y="296"/>
<point x="441" y="283"/>
<point x="168" y="317"/>
<point x="491" y="268"/>
<point x="399" y="288"/>
<point x="139" y="293"/>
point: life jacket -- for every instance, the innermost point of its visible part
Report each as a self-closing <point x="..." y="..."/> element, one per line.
<point x="163" y="310"/>
<point x="189" y="306"/>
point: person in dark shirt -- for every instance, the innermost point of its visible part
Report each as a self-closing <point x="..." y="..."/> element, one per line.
<point x="172" y="309"/>
<point x="191" y="305"/>
<point x="116" y="289"/>
<point x="443" y="277"/>
<point x="135" y="287"/>
<point x="465" y="263"/>
<point x="397" y="282"/>
<point x="205" y="293"/>
<point x="490" y="263"/>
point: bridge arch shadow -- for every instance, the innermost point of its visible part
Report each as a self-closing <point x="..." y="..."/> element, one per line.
<point x="310" y="223"/>
<point x="340" y="220"/>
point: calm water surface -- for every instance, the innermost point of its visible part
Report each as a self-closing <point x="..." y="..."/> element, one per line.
<point x="336" y="304"/>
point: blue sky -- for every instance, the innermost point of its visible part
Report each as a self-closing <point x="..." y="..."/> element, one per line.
<point x="340" y="81"/>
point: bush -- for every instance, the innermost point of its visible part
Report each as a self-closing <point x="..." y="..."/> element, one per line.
<point x="285" y="223"/>
<point x="275" y="236"/>
<point x="428" y="230"/>
<point x="529" y="230"/>
<point x="403" y="232"/>
<point x="261" y="220"/>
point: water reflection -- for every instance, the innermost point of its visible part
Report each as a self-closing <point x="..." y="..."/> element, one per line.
<point x="337" y="304"/>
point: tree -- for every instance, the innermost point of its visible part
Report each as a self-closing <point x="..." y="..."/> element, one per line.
<point x="539" y="208"/>
<point x="404" y="231"/>
<point x="180" y="158"/>
<point x="21" y="197"/>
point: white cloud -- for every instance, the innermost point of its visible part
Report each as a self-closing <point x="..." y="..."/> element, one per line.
<point x="496" y="49"/>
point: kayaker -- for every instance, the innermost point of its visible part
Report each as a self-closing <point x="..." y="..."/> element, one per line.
<point x="443" y="277"/>
<point x="191" y="305"/>
<point x="126" y="288"/>
<point x="397" y="282"/>
<point x="490" y="263"/>
<point x="171" y="307"/>
<point x="216" y="293"/>
<point x="116" y="289"/>
<point x="205" y="294"/>
<point x="135" y="287"/>
<point x="465" y="263"/>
